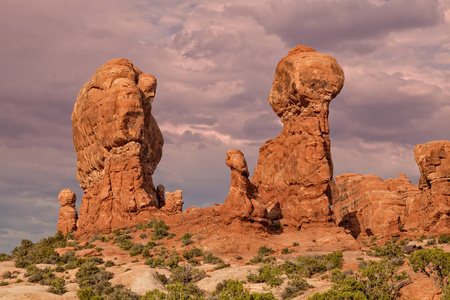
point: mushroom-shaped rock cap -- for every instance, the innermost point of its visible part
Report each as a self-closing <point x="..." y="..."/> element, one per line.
<point x="67" y="197"/>
<point x="235" y="160"/>
<point x="302" y="77"/>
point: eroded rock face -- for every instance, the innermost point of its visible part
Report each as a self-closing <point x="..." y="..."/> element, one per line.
<point x="431" y="210"/>
<point x="295" y="167"/>
<point x="68" y="214"/>
<point x="243" y="201"/>
<point x="118" y="145"/>
<point x="174" y="202"/>
<point x="365" y="204"/>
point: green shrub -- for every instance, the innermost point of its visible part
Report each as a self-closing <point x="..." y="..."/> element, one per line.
<point x="194" y="252"/>
<point x="136" y="249"/>
<point x="222" y="265"/>
<point x="160" y="229"/>
<point x="388" y="251"/>
<point x="209" y="258"/>
<point x="184" y="292"/>
<point x="435" y="263"/>
<point x="286" y="251"/>
<point x="267" y="273"/>
<point x="155" y="262"/>
<point x="186" y="274"/>
<point x="186" y="239"/>
<point x="265" y="251"/>
<point x="7" y="275"/>
<point x="109" y="263"/>
<point x="154" y="295"/>
<point x="295" y="287"/>
<point x="295" y="244"/>
<point x="143" y="235"/>
<point x="444" y="239"/>
<point x="57" y="286"/>
<point x="3" y="283"/>
<point x="5" y="257"/>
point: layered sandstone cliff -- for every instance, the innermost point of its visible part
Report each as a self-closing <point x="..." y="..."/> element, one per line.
<point x="365" y="204"/>
<point x="118" y="145"/>
<point x="430" y="211"/>
<point x="294" y="168"/>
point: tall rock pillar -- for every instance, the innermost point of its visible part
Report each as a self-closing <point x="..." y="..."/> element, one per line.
<point x="294" y="168"/>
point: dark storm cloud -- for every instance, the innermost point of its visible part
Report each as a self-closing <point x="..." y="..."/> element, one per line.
<point x="346" y="25"/>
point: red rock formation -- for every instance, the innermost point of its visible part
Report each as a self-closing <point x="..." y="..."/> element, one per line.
<point x="431" y="210"/>
<point x="67" y="214"/>
<point x="294" y="168"/>
<point x="243" y="201"/>
<point x="174" y="202"/>
<point x="365" y="204"/>
<point x="118" y="145"/>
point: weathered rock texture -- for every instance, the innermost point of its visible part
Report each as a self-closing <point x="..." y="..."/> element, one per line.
<point x="431" y="210"/>
<point x="243" y="201"/>
<point x="366" y="204"/>
<point x="295" y="167"/>
<point x="68" y="214"/>
<point x="118" y="145"/>
<point x="174" y="202"/>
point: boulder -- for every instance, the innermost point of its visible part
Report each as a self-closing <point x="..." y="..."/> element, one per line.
<point x="118" y="145"/>
<point x="68" y="215"/>
<point x="243" y="201"/>
<point x="295" y="168"/>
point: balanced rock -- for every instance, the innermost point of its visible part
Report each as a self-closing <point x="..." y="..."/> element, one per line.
<point x="174" y="202"/>
<point x="68" y="214"/>
<point x="295" y="167"/>
<point x="431" y="210"/>
<point x="118" y="145"/>
<point x="365" y="205"/>
<point x="243" y="201"/>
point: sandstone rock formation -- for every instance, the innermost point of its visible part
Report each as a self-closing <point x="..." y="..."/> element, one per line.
<point x="295" y="167"/>
<point x="431" y="210"/>
<point x="243" y="201"/>
<point x="174" y="202"/>
<point x="118" y="145"/>
<point x="68" y="214"/>
<point x="366" y="204"/>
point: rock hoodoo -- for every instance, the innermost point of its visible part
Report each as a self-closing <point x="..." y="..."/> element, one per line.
<point x="118" y="145"/>
<point x="243" y="201"/>
<point x="174" y="202"/>
<point x="294" y="168"/>
<point x="68" y="215"/>
<point x="431" y="210"/>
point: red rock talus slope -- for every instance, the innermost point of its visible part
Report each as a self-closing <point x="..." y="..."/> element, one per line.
<point x="118" y="145"/>
<point x="366" y="205"/>
<point x="294" y="168"/>
<point x="430" y="212"/>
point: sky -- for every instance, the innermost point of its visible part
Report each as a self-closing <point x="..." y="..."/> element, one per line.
<point x="214" y="62"/>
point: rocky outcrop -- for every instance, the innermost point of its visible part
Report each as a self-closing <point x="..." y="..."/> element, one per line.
<point x="294" y="168"/>
<point x="68" y="214"/>
<point x="367" y="205"/>
<point x="243" y="201"/>
<point x="431" y="210"/>
<point x="174" y="202"/>
<point x="118" y="145"/>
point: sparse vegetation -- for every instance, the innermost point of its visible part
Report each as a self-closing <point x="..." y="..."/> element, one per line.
<point x="295" y="287"/>
<point x="186" y="239"/>
<point x="186" y="274"/>
<point x="234" y="290"/>
<point x="267" y="273"/>
<point x="307" y="266"/>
